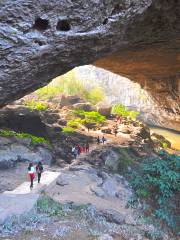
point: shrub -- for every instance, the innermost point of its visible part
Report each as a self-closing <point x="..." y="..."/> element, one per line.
<point x="160" y="181"/>
<point x="74" y="123"/>
<point x="92" y="115"/>
<point x="48" y="206"/>
<point x="36" y="105"/>
<point x="95" y="117"/>
<point x="88" y="119"/>
<point x="164" y="145"/>
<point x="95" y="95"/>
<point x="121" y="110"/>
<point x="68" y="130"/>
<point x="34" y="139"/>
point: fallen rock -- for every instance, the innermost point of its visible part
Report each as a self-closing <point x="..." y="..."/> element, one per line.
<point x="84" y="106"/>
<point x="106" y="111"/>
<point x="98" y="191"/>
<point x="113" y="216"/>
<point x="160" y="140"/>
<point x="144" y="132"/>
<point x="61" y="181"/>
<point x="106" y="130"/>
<point x="70" y="100"/>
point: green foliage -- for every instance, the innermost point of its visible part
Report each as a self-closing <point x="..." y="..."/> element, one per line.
<point x="164" y="145"/>
<point x="160" y="181"/>
<point x="32" y="104"/>
<point x="48" y="206"/>
<point x="121" y="110"/>
<point x="93" y="116"/>
<point x="88" y="119"/>
<point x="68" y="130"/>
<point x="47" y="92"/>
<point x="69" y="85"/>
<point x="74" y="123"/>
<point x="95" y="95"/>
<point x="34" y="139"/>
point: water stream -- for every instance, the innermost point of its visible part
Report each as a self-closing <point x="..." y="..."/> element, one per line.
<point x="172" y="136"/>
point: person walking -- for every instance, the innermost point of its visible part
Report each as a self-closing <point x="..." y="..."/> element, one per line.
<point x="87" y="147"/>
<point x="39" y="170"/>
<point x="75" y="152"/>
<point x="98" y="140"/>
<point x="31" y="172"/>
<point x="84" y="148"/>
<point x="103" y="139"/>
<point x="78" y="147"/>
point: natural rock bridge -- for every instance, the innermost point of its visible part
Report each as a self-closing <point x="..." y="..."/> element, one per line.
<point x="40" y="40"/>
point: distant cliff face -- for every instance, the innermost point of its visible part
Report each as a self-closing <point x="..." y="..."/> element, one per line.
<point x="122" y="90"/>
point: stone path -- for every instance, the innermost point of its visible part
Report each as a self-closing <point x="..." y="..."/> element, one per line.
<point x="21" y="200"/>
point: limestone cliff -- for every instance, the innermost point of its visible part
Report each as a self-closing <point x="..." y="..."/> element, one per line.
<point x="40" y="40"/>
<point x="122" y="90"/>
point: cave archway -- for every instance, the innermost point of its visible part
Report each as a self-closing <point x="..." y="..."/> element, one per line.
<point x="145" y="35"/>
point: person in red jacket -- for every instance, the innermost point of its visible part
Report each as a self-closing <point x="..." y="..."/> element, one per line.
<point x="87" y="147"/>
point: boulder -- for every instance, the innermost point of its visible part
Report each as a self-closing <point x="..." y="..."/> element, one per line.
<point x="84" y="106"/>
<point x="113" y="216"/>
<point x="13" y="150"/>
<point x="97" y="191"/>
<point x="62" y="181"/>
<point x="62" y="122"/>
<point x="160" y="140"/>
<point x="144" y="132"/>
<point x="106" y="111"/>
<point x="70" y="100"/>
<point x="112" y="160"/>
<point x="125" y="130"/>
<point x="56" y="127"/>
<point x="21" y="119"/>
<point x="106" y="130"/>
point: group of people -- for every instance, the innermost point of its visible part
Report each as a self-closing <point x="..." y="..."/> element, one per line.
<point x="101" y="140"/>
<point x="33" y="170"/>
<point x="78" y="149"/>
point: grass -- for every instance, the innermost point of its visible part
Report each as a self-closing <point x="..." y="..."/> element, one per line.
<point x="33" y="104"/>
<point x="46" y="205"/>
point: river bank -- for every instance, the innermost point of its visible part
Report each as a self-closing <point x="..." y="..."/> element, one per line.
<point x="171" y="135"/>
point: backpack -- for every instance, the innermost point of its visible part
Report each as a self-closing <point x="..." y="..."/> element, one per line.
<point x="39" y="168"/>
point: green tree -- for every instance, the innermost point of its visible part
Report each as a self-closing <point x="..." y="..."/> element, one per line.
<point x="121" y="110"/>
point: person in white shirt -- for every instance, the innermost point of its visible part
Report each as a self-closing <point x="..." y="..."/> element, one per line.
<point x="31" y="172"/>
